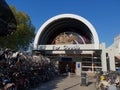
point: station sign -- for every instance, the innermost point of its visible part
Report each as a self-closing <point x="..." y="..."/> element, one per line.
<point x="65" y="47"/>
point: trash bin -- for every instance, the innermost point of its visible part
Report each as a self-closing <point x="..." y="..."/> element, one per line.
<point x="84" y="79"/>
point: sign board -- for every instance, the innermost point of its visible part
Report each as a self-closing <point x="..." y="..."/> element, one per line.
<point x="66" y="47"/>
<point x="78" y="65"/>
<point x="78" y="68"/>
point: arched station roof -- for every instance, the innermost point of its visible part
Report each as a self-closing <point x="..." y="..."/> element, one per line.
<point x="66" y="23"/>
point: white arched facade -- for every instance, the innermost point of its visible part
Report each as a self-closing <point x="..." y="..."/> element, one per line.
<point x="72" y="16"/>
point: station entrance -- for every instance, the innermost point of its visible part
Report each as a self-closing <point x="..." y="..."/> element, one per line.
<point x="72" y="41"/>
<point x="65" y="67"/>
<point x="89" y="61"/>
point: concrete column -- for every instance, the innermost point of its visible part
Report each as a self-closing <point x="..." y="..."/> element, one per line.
<point x="92" y="64"/>
<point x="103" y="57"/>
<point x="78" y="68"/>
<point x="112" y="59"/>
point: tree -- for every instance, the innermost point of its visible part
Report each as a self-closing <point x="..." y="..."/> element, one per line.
<point x="24" y="35"/>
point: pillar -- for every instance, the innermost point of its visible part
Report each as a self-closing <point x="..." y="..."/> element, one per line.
<point x="78" y="68"/>
<point x="103" y="57"/>
<point x="112" y="60"/>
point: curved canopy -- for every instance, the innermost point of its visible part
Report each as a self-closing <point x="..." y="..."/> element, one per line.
<point x="7" y="20"/>
<point x="66" y="23"/>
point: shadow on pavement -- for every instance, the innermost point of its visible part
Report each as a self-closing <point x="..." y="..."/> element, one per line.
<point x="71" y="86"/>
<point x="49" y="85"/>
<point x="89" y="83"/>
<point x="64" y="82"/>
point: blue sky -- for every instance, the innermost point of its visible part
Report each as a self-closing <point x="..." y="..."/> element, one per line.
<point x="104" y="15"/>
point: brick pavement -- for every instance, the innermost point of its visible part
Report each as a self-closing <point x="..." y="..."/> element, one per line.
<point x="66" y="83"/>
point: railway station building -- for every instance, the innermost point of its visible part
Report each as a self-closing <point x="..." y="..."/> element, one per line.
<point x="73" y="42"/>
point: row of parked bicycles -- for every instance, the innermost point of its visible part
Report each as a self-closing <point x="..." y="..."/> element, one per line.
<point x="108" y="81"/>
<point x="20" y="71"/>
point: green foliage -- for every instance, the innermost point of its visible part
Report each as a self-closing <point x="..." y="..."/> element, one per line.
<point x="24" y="35"/>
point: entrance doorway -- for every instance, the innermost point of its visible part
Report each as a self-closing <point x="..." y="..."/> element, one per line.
<point x="65" y="67"/>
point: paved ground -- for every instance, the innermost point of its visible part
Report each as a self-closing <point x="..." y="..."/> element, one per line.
<point x="66" y="83"/>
